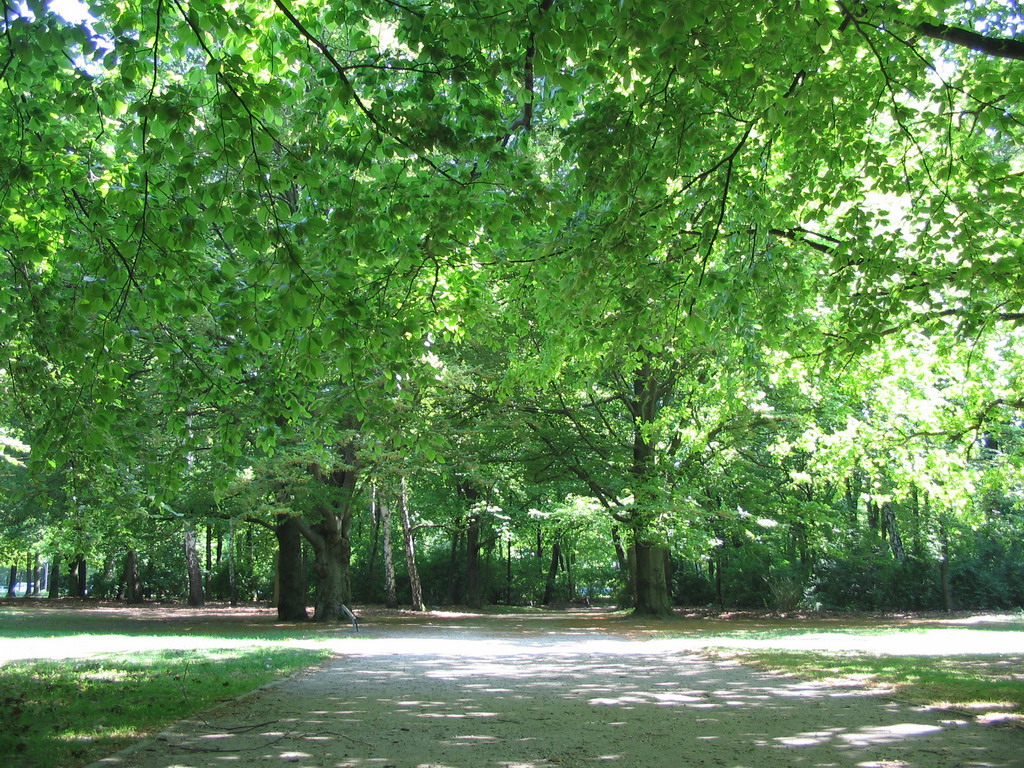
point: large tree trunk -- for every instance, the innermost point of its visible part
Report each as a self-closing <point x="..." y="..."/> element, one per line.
<point x="650" y="583"/>
<point x="195" y="574"/>
<point x="390" y="588"/>
<point x="332" y="586"/>
<point x="329" y="538"/>
<point x="132" y="579"/>
<point x="652" y="590"/>
<point x="12" y="579"/>
<point x="410" y="551"/>
<point x="291" y="582"/>
<point x="79" y="572"/>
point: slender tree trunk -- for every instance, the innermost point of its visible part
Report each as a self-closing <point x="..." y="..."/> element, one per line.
<point x="453" y="595"/>
<point x="474" y="585"/>
<point x="291" y="602"/>
<point x="371" y="590"/>
<point x="390" y="588"/>
<point x="12" y="579"/>
<point x="410" y="550"/>
<point x="55" y="577"/>
<point x="194" y="573"/>
<point x="893" y="532"/>
<point x="549" y="584"/>
<point x="132" y="578"/>
<point x="508" y="569"/>
<point x="209" y="559"/>
<point x="627" y="594"/>
<point x="947" y="587"/>
<point x="232" y="571"/>
<point x="30" y="576"/>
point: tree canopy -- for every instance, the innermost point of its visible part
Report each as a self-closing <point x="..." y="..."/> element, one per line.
<point x="672" y="257"/>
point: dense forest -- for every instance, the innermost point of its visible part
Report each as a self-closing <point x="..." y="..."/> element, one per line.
<point x="513" y="301"/>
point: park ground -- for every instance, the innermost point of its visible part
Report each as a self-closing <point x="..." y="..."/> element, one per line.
<point x="543" y="689"/>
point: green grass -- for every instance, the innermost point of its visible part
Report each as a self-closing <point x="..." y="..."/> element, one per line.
<point x="980" y="685"/>
<point x="70" y="712"/>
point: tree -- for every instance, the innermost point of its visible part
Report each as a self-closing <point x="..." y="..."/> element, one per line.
<point x="262" y="216"/>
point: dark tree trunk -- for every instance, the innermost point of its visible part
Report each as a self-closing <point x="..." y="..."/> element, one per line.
<point x="652" y="592"/>
<point x="410" y="551"/>
<point x="873" y="516"/>
<point x="332" y="587"/>
<point x="549" y="584"/>
<point x="194" y="572"/>
<point x="31" y="573"/>
<point x="390" y="588"/>
<point x="508" y="570"/>
<point x="332" y="548"/>
<point x="12" y="579"/>
<point x="79" y="571"/>
<point x="893" y="532"/>
<point x="132" y="579"/>
<point x="474" y="584"/>
<point x="626" y="575"/>
<point x="55" y="577"/>
<point x="209" y="559"/>
<point x="371" y="590"/>
<point x="947" y="588"/>
<point x="291" y="592"/>
<point x="453" y="593"/>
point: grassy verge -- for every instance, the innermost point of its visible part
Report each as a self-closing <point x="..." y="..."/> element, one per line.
<point x="67" y="713"/>
<point x="981" y="685"/>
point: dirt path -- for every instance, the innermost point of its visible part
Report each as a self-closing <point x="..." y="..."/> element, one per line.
<point x="481" y="697"/>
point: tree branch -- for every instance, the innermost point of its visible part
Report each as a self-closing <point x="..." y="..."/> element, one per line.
<point x="1001" y="47"/>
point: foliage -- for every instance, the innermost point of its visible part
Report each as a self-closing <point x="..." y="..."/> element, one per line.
<point x="741" y="274"/>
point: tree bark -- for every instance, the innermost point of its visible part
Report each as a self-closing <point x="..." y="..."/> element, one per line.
<point x="12" y="579"/>
<point x="652" y="592"/>
<point x="55" y="577"/>
<point x="332" y="548"/>
<point x="209" y="558"/>
<point x="194" y="572"/>
<point x="474" y="585"/>
<point x="291" y="599"/>
<point x="332" y="587"/>
<point x="410" y="550"/>
<point x="79" y="572"/>
<point x="31" y="574"/>
<point x="549" y="583"/>
<point x="893" y="532"/>
<point x="947" y="587"/>
<point x="453" y="592"/>
<point x="371" y="564"/>
<point x="132" y="579"/>
<point x="390" y="588"/>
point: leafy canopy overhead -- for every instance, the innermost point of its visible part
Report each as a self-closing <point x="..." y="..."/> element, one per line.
<point x="283" y="202"/>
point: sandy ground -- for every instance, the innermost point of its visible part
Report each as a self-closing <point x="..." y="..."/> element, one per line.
<point x="489" y="695"/>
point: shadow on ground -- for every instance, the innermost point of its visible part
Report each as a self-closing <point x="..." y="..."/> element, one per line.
<point x="472" y="697"/>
